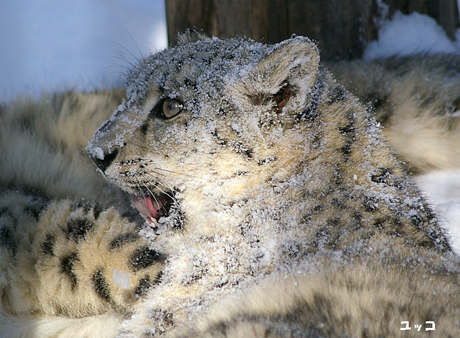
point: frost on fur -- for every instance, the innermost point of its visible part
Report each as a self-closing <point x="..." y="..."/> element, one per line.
<point x="266" y="202"/>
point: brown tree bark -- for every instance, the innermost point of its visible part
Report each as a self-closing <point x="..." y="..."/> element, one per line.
<point x="342" y="28"/>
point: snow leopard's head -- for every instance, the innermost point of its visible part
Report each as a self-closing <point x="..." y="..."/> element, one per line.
<point x="208" y="121"/>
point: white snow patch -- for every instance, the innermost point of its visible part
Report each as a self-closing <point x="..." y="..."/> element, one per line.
<point x="442" y="189"/>
<point x="410" y="34"/>
<point x="449" y="214"/>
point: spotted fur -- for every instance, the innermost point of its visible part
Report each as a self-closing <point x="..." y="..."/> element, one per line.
<point x="65" y="263"/>
<point x="68" y="261"/>
<point x="282" y="211"/>
<point x="417" y="99"/>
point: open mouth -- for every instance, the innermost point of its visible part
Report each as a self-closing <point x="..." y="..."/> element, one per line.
<point x="152" y="208"/>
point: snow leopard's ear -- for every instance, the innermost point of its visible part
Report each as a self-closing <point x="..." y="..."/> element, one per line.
<point x="287" y="74"/>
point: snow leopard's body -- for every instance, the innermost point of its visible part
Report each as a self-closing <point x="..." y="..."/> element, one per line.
<point x="273" y="205"/>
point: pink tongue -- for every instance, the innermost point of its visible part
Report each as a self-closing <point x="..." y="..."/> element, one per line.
<point x="146" y="206"/>
<point x="150" y="207"/>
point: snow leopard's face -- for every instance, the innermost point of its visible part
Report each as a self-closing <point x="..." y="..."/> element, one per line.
<point x="206" y="123"/>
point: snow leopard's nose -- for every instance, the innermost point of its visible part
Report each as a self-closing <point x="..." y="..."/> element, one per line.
<point x="104" y="161"/>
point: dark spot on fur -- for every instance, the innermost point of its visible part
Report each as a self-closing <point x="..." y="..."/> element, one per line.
<point x="81" y="205"/>
<point x="97" y="210"/>
<point x="190" y="83"/>
<point x="338" y="203"/>
<point x="379" y="223"/>
<point x="144" y="257"/>
<point x="144" y="128"/>
<point x="3" y="211"/>
<point x="319" y="237"/>
<point x="267" y="160"/>
<point x="26" y="123"/>
<point x="311" y="113"/>
<point x="337" y="178"/>
<point x="221" y="112"/>
<point x="7" y="240"/>
<point x="346" y="150"/>
<point x="391" y="225"/>
<point x="317" y="140"/>
<point x="35" y="208"/>
<point x="349" y="129"/>
<point x="334" y="222"/>
<point x="163" y="320"/>
<point x="240" y="173"/>
<point x="357" y="220"/>
<point x="207" y="61"/>
<point x="241" y="149"/>
<point x="217" y="138"/>
<point x="337" y="94"/>
<point x="145" y="284"/>
<point x="121" y="240"/>
<point x="78" y="228"/>
<point x="34" y="212"/>
<point x="438" y="239"/>
<point x="349" y="134"/>
<point x="67" y="268"/>
<point x="417" y="220"/>
<point x="309" y="215"/>
<point x="168" y="318"/>
<point x="100" y="286"/>
<point x="329" y="235"/>
<point x="48" y="245"/>
<point x="370" y="204"/>
<point x="382" y="176"/>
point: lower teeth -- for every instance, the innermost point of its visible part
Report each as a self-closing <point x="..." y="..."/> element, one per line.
<point x="152" y="221"/>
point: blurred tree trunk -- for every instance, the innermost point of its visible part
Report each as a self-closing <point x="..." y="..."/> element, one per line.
<point x="342" y="28"/>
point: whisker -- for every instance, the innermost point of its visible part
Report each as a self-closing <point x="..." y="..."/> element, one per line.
<point x="167" y="193"/>
<point x="143" y="185"/>
<point x="164" y="184"/>
<point x="159" y="184"/>
<point x="174" y="172"/>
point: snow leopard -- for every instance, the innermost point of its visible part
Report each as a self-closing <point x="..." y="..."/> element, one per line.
<point x="265" y="202"/>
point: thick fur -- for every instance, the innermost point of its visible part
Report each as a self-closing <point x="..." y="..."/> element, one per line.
<point x="68" y="259"/>
<point x="417" y="100"/>
<point x="290" y="216"/>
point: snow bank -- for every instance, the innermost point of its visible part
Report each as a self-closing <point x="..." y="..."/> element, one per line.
<point x="410" y="34"/>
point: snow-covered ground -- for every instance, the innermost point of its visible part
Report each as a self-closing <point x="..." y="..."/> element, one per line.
<point x="86" y="44"/>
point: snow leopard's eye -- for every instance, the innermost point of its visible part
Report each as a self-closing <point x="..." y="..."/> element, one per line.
<point x="171" y="108"/>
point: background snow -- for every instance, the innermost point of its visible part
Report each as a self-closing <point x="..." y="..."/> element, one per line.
<point x="88" y="44"/>
<point x="85" y="44"/>
<point x="409" y="34"/>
